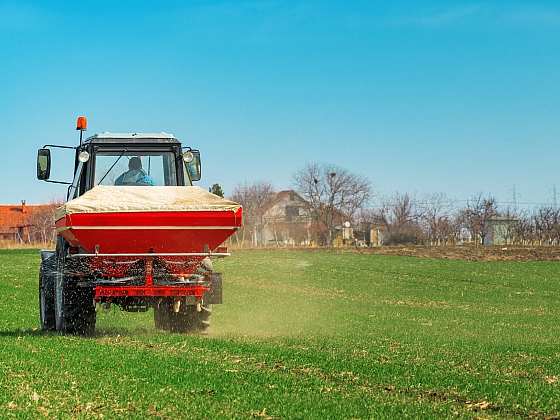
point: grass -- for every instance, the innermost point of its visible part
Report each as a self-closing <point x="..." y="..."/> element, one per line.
<point x="302" y="335"/>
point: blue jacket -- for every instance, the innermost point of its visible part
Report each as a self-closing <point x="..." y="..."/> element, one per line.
<point x="135" y="176"/>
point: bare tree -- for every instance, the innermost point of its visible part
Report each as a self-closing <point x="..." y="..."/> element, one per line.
<point x="274" y="219"/>
<point x="508" y="228"/>
<point x="399" y="213"/>
<point x="251" y="196"/>
<point x="334" y="195"/>
<point x="435" y="212"/>
<point x="525" y="233"/>
<point x="547" y="221"/>
<point x="451" y="230"/>
<point x="478" y="214"/>
<point x="42" y="220"/>
<point x="299" y="230"/>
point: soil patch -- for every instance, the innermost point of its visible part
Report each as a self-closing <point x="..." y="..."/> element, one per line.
<point x="451" y="252"/>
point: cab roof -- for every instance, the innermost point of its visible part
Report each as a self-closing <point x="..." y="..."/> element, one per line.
<point x="132" y="138"/>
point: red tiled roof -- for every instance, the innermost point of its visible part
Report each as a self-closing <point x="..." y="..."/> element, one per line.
<point x="13" y="216"/>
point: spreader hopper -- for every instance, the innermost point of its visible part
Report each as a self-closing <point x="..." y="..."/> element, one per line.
<point x="143" y="220"/>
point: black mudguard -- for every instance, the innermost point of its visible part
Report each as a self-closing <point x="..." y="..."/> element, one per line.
<point x="47" y="264"/>
<point x="214" y="295"/>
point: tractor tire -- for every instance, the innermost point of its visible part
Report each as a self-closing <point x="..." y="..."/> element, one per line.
<point x="205" y="266"/>
<point x="46" y="295"/>
<point x="201" y="320"/>
<point x="186" y="321"/>
<point x="74" y="310"/>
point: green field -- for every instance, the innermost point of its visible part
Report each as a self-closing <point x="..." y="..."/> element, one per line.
<point x="302" y="335"/>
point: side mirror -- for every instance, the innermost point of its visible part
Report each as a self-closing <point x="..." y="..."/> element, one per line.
<point x="192" y="164"/>
<point x="43" y="164"/>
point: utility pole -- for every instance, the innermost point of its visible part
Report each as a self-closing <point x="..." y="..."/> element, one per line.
<point x="553" y="196"/>
<point x="514" y="198"/>
<point x="468" y="217"/>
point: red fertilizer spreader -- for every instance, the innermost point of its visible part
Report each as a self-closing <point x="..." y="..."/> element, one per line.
<point x="160" y="233"/>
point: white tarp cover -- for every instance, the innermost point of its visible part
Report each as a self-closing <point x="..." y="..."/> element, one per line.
<point x="110" y="199"/>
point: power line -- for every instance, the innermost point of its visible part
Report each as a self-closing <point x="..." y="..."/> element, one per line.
<point x="525" y="203"/>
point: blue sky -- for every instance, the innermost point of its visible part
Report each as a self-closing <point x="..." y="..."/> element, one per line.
<point x="434" y="96"/>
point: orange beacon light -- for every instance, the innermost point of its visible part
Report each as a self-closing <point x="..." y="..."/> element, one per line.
<point x="81" y="124"/>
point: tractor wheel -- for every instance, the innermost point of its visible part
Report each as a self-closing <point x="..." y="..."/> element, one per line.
<point x="74" y="310"/>
<point x="200" y="321"/>
<point x="204" y="266"/>
<point x="187" y="320"/>
<point x="46" y="302"/>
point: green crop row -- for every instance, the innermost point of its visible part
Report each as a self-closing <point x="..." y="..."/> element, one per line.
<point x="302" y="335"/>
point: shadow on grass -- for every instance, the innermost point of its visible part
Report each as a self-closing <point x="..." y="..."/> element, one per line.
<point x="99" y="332"/>
<point x="123" y="332"/>
<point x="28" y="332"/>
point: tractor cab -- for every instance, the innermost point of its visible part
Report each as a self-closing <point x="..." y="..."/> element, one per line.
<point x="128" y="159"/>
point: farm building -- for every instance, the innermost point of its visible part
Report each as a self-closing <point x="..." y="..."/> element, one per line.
<point x="501" y="230"/>
<point x="285" y="220"/>
<point x="27" y="223"/>
<point x="369" y="235"/>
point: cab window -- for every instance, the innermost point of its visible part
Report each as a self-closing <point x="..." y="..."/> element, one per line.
<point x="135" y="168"/>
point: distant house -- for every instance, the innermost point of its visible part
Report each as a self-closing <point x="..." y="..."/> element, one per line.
<point x="27" y="223"/>
<point x="285" y="220"/>
<point x="501" y="230"/>
<point x="343" y="235"/>
<point x="369" y="235"/>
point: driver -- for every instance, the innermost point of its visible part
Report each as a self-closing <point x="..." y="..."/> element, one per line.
<point x="135" y="174"/>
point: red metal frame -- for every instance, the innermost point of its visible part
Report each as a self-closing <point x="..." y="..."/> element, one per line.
<point x="116" y="266"/>
<point x="142" y="291"/>
<point x="148" y="289"/>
